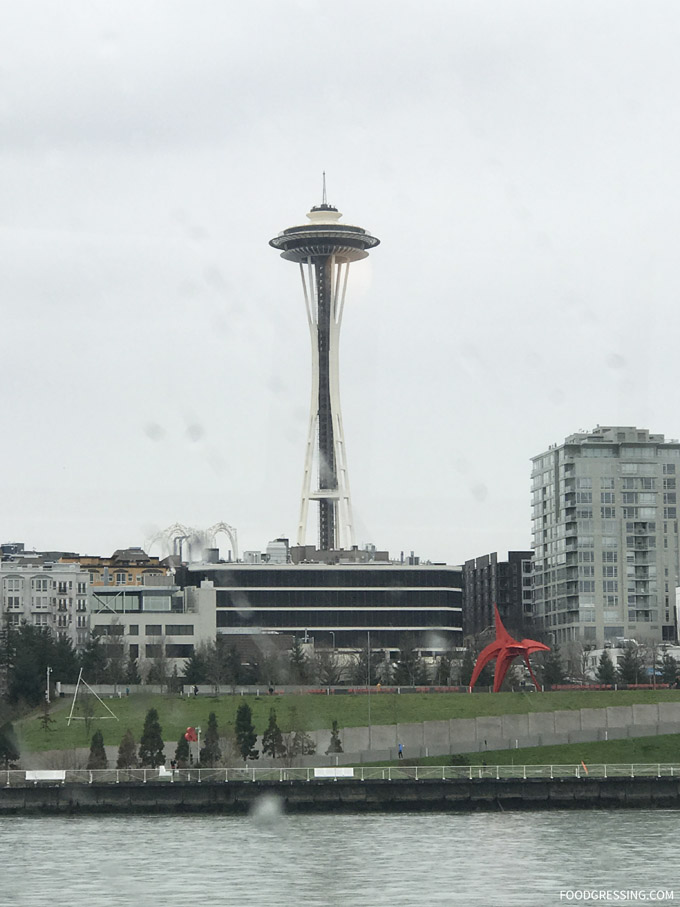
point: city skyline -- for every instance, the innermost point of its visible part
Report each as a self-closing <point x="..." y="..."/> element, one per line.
<point x="517" y="163"/>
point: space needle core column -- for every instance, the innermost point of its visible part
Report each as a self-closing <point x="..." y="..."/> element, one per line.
<point x="324" y="250"/>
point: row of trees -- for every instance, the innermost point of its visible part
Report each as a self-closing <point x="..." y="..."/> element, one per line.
<point x="215" y="749"/>
<point x="27" y="651"/>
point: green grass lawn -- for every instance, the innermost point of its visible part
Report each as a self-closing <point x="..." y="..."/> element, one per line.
<point x="664" y="748"/>
<point x="314" y="711"/>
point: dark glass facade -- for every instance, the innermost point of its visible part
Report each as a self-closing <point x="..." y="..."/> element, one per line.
<point x="424" y="602"/>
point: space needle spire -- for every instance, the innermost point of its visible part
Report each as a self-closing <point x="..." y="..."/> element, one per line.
<point x="324" y="250"/>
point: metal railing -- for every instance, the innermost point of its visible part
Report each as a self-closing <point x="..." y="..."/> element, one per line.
<point x="17" y="778"/>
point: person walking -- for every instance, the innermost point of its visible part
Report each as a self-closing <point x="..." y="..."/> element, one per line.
<point x="401" y="751"/>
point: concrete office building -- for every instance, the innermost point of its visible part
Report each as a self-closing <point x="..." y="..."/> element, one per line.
<point x="605" y="536"/>
<point x="159" y="622"/>
<point x="488" y="582"/>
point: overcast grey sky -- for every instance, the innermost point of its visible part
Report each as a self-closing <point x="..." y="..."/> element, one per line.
<point x="518" y="161"/>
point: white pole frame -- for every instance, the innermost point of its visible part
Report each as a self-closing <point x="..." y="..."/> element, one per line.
<point x="73" y="717"/>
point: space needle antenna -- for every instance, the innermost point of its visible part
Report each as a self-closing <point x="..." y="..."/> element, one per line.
<point x="323" y="200"/>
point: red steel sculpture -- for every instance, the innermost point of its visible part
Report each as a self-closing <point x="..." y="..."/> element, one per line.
<point x="505" y="649"/>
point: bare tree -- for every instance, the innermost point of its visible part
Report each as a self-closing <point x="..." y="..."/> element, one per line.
<point x="327" y="668"/>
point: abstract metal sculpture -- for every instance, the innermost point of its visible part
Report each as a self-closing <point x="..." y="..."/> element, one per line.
<point x="505" y="649"/>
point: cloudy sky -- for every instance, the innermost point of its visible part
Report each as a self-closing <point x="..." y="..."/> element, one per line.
<point x="518" y="160"/>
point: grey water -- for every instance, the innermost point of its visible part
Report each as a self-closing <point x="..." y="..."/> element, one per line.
<point x="490" y="859"/>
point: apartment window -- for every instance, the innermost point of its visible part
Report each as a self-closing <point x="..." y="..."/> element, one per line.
<point x="608" y="513"/>
<point x="610" y="585"/>
<point x="81" y="604"/>
<point x="669" y="513"/>
<point x="179" y="629"/>
<point x="121" y="578"/>
<point x="606" y="482"/>
<point x="134" y="650"/>
<point x="13" y="584"/>
<point x="586" y="585"/>
<point x="81" y="620"/>
<point x="179" y="651"/>
<point x="40" y="585"/>
<point x="133" y="630"/>
<point x="13" y="601"/>
<point x="607" y="497"/>
<point x="154" y="651"/>
<point x="610" y="557"/>
<point x="586" y="557"/>
<point x="82" y="588"/>
<point x="669" y="469"/>
<point x="610" y="570"/>
<point x="584" y="482"/>
<point x="584" y="513"/>
<point x="40" y="620"/>
<point x="669" y="483"/>
<point x="669" y="497"/>
<point x="587" y="570"/>
<point x="584" y="497"/>
<point x="154" y="630"/>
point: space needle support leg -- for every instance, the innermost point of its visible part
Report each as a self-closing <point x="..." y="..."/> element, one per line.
<point x="309" y="289"/>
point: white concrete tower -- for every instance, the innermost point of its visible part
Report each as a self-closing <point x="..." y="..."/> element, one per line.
<point x="324" y="249"/>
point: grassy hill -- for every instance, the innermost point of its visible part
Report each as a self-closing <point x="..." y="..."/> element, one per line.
<point x="314" y="711"/>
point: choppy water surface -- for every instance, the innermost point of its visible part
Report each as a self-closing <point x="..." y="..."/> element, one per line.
<point x="480" y="859"/>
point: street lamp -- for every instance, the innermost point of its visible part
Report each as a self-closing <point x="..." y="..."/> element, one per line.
<point x="368" y="682"/>
<point x="333" y="635"/>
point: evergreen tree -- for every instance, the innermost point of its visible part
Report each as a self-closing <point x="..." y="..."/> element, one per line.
<point x="443" y="670"/>
<point x="299" y="664"/>
<point x="30" y="650"/>
<point x="359" y="672"/>
<point x="64" y="661"/>
<point x="132" y="677"/>
<point x="93" y="661"/>
<point x="467" y="668"/>
<point x="97" y="758"/>
<point x="553" y="667"/>
<point x="174" y="683"/>
<point x="210" y="753"/>
<point x="151" y="744"/>
<point x="182" y="752"/>
<point x="127" y="751"/>
<point x="631" y="667"/>
<point x="334" y="746"/>
<point x="195" y="670"/>
<point x="245" y="733"/>
<point x="9" y="749"/>
<point x="45" y="719"/>
<point x="272" y="739"/>
<point x="669" y="668"/>
<point x="606" y="672"/>
<point x="299" y="742"/>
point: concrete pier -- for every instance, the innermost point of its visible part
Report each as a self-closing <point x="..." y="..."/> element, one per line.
<point x="330" y="796"/>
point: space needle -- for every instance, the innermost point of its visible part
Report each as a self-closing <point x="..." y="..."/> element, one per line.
<point x="324" y="250"/>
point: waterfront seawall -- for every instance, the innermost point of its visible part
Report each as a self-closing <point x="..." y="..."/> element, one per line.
<point x="239" y="797"/>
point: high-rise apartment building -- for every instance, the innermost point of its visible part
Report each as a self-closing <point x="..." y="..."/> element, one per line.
<point x="605" y="536"/>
